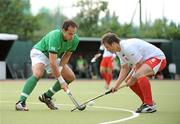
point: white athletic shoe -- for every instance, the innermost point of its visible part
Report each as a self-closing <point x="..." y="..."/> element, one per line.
<point x="144" y="108"/>
<point x="20" y="106"/>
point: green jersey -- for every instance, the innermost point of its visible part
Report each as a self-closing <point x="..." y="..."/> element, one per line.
<point x="53" y="42"/>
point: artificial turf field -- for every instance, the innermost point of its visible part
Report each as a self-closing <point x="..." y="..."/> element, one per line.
<point x="115" y="108"/>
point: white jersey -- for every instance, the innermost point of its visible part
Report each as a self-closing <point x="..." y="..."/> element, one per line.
<point x="133" y="50"/>
<point x="106" y="53"/>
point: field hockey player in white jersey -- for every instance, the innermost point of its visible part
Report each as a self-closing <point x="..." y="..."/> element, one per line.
<point x="146" y="60"/>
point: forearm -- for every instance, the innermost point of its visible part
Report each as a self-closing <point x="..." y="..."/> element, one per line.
<point x="134" y="74"/>
<point x="53" y="65"/>
<point x="122" y="75"/>
<point x="65" y="58"/>
<point x="97" y="55"/>
<point x="55" y="70"/>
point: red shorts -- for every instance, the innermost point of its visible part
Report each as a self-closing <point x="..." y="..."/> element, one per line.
<point x="107" y="62"/>
<point x="156" y="64"/>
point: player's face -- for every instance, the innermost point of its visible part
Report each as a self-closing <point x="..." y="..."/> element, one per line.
<point x="69" y="34"/>
<point x="110" y="47"/>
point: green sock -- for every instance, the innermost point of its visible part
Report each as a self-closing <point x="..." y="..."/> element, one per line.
<point x="28" y="88"/>
<point x="56" y="87"/>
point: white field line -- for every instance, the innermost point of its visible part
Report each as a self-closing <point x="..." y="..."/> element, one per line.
<point x="134" y="115"/>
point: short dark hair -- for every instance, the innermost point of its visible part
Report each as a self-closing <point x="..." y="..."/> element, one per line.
<point x="68" y="23"/>
<point x="110" y="38"/>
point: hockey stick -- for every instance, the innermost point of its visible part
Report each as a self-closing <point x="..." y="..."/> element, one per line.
<point x="77" y="105"/>
<point x="106" y="93"/>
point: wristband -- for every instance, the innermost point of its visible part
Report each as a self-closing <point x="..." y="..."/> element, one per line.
<point x="61" y="80"/>
<point x="131" y="72"/>
<point x="134" y="75"/>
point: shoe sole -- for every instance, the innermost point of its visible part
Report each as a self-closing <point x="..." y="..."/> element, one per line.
<point x="17" y="109"/>
<point x="22" y="109"/>
<point x="147" y="111"/>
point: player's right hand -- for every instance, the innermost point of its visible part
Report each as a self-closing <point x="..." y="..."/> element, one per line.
<point x="114" y="88"/>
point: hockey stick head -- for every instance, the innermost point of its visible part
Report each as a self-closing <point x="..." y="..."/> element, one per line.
<point x="81" y="107"/>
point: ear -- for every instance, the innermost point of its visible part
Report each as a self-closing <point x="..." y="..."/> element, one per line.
<point x="63" y="30"/>
<point x="113" y="44"/>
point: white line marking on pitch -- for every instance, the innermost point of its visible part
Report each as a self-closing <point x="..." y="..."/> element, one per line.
<point x="134" y="115"/>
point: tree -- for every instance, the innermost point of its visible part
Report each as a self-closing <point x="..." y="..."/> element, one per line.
<point x="109" y="23"/>
<point x="173" y="31"/>
<point x="47" y="22"/>
<point x="160" y="29"/>
<point x="88" y="17"/>
<point x="15" y="17"/>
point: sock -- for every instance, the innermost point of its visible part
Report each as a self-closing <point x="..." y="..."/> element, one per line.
<point x="145" y="88"/>
<point x="28" y="88"/>
<point x="55" y="88"/>
<point x="136" y="89"/>
<point x="105" y="77"/>
<point x="109" y="78"/>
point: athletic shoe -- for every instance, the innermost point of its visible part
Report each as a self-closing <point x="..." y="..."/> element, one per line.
<point x="21" y="106"/>
<point x="48" y="102"/>
<point x="139" y="109"/>
<point x="144" y="108"/>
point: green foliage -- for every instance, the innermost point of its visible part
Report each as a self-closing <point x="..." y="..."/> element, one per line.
<point x="15" y="18"/>
<point x="48" y="22"/>
<point x="109" y="23"/>
<point x="160" y="29"/>
<point x="88" y="17"/>
<point x="173" y="31"/>
<point x="94" y="19"/>
<point x="157" y="30"/>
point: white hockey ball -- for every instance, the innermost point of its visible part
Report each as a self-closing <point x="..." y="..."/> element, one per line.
<point x="91" y="103"/>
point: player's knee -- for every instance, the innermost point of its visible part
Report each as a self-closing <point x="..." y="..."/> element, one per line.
<point x="38" y="74"/>
<point x="71" y="78"/>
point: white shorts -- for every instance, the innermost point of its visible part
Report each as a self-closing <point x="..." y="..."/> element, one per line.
<point x="38" y="57"/>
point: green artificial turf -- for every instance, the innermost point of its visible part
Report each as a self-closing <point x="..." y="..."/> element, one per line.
<point x="108" y="108"/>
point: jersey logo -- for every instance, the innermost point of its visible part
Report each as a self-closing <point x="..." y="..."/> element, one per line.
<point x="53" y="48"/>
